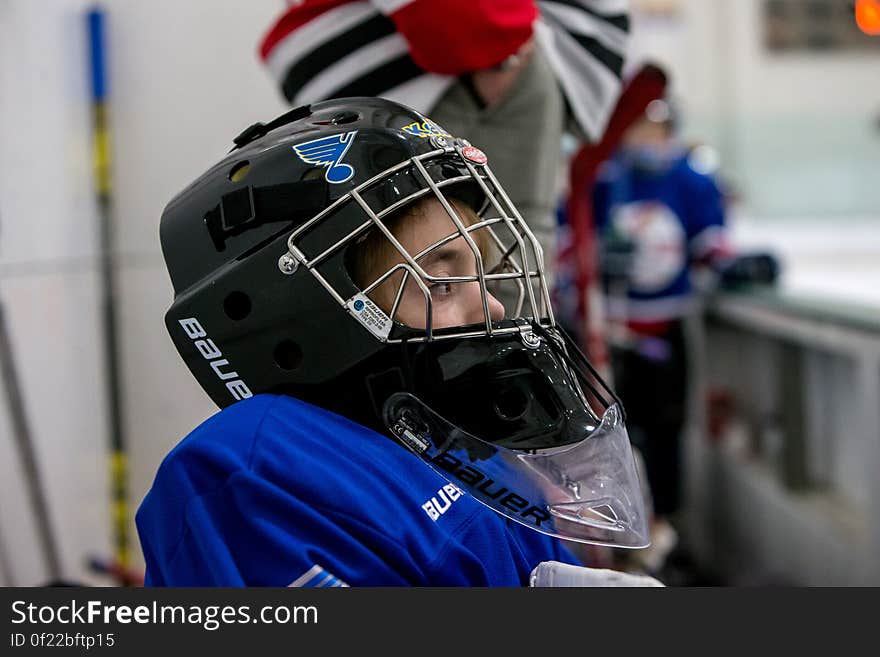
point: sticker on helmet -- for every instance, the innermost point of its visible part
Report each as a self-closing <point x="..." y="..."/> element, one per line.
<point x="370" y="315"/>
<point x="425" y="129"/>
<point x="474" y="154"/>
<point x="328" y="152"/>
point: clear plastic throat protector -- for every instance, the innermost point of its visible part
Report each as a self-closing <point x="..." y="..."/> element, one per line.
<point x="585" y="488"/>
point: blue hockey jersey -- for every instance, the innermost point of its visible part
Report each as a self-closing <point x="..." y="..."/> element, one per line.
<point x="272" y="491"/>
<point x="670" y="218"/>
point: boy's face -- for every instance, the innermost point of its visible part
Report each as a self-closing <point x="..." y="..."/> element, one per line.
<point x="646" y="133"/>
<point x="453" y="304"/>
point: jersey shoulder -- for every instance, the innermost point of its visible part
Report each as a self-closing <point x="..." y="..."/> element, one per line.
<point x="276" y="436"/>
<point x="693" y="175"/>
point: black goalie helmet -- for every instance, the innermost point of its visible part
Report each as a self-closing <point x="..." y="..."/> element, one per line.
<point x="356" y="256"/>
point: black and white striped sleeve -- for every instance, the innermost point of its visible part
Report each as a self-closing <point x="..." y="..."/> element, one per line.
<point x="585" y="42"/>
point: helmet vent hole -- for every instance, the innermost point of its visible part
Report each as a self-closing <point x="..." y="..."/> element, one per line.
<point x="238" y="172"/>
<point x="511" y="403"/>
<point x="288" y="355"/>
<point x="237" y="305"/>
<point x="344" y="117"/>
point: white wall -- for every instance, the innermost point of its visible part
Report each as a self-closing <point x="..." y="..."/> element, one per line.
<point x="184" y="79"/>
<point x="714" y="50"/>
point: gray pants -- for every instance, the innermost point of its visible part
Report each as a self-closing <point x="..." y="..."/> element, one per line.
<point x="521" y="134"/>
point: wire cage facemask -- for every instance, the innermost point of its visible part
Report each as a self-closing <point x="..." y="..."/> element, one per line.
<point x="455" y="174"/>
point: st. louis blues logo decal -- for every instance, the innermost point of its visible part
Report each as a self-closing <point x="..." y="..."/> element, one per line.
<point x="328" y="152"/>
<point x="425" y="129"/>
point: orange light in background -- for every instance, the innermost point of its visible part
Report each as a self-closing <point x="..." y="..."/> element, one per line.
<point x="868" y="16"/>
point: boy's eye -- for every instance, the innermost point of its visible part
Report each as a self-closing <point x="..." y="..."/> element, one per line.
<point x="440" y="289"/>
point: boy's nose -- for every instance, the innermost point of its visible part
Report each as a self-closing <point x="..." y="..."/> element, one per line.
<point x="475" y="305"/>
<point x="496" y="308"/>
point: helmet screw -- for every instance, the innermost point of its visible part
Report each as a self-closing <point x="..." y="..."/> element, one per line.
<point x="287" y="264"/>
<point x="439" y="142"/>
<point x="530" y="340"/>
